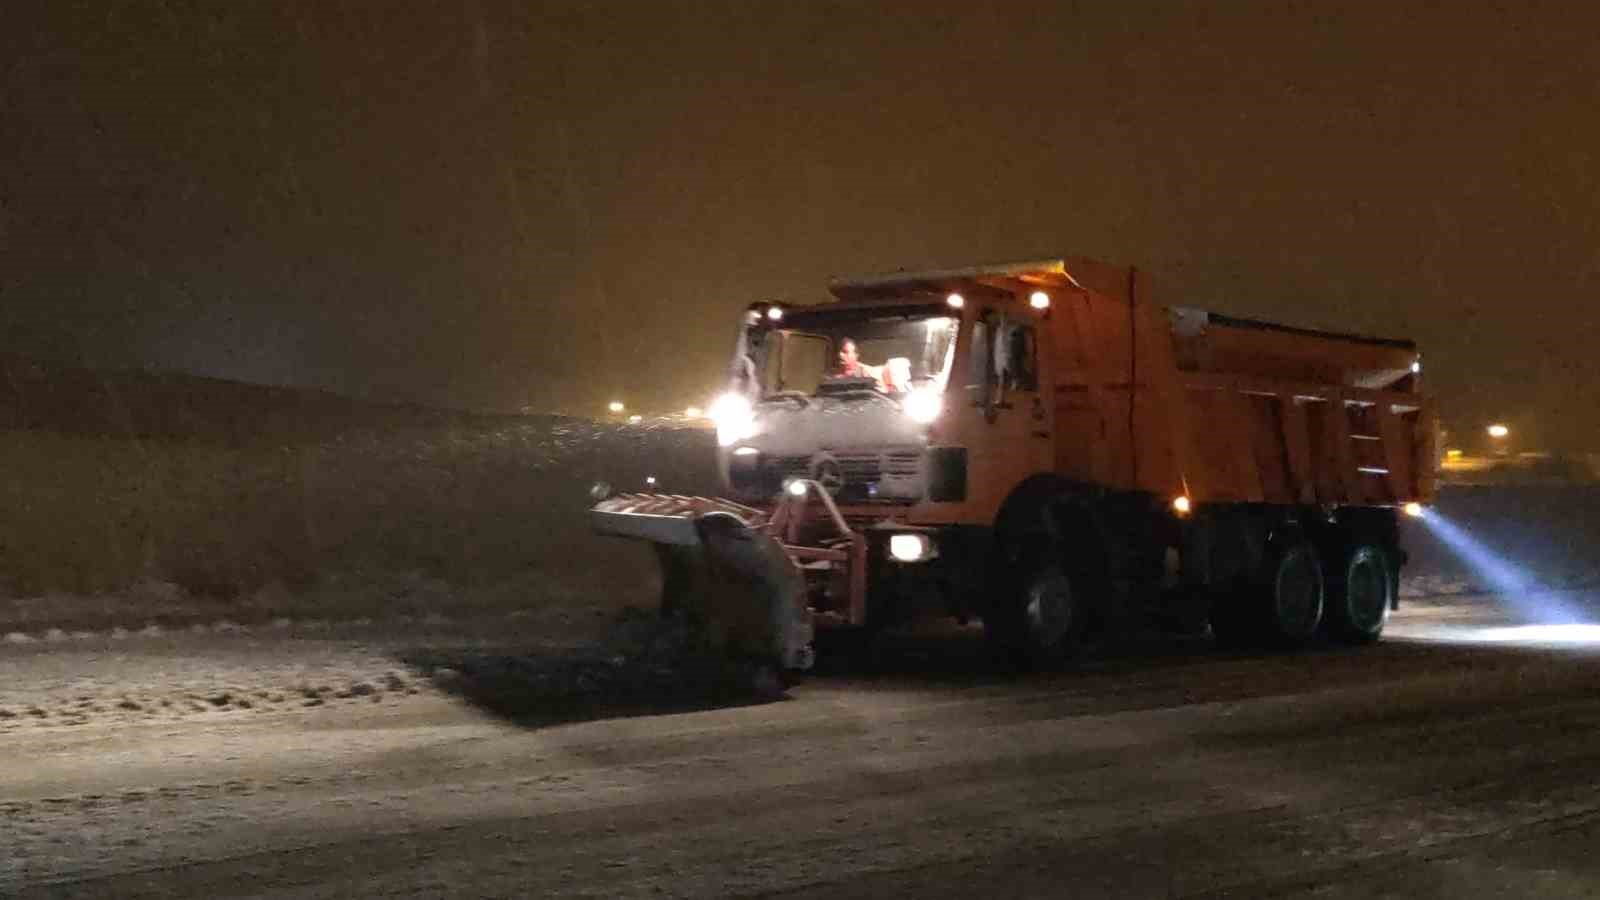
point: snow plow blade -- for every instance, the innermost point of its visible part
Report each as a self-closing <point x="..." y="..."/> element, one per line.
<point x="721" y="570"/>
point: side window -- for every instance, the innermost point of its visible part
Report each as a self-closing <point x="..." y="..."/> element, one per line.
<point x="1004" y="358"/>
<point x="803" y="362"/>
<point x="1016" y="358"/>
<point x="978" y="375"/>
<point x="1017" y="347"/>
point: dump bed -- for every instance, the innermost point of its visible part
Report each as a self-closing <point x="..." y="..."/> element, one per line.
<point x="1177" y="400"/>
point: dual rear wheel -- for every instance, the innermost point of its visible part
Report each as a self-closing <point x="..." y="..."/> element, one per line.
<point x="1297" y="596"/>
<point x="1044" y="611"/>
<point x="1361" y="591"/>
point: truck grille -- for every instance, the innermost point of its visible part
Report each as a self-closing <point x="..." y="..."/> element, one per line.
<point x="790" y="466"/>
<point x="868" y="476"/>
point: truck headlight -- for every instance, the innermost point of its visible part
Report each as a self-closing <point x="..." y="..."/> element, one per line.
<point x="923" y="405"/>
<point x="734" y="418"/>
<point x="910" y="548"/>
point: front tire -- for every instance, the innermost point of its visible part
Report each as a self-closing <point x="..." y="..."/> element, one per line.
<point x="1040" y="619"/>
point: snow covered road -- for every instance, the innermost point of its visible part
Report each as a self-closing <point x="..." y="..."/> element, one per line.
<point x="277" y="762"/>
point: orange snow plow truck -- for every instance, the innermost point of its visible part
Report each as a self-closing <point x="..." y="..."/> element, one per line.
<point x="1044" y="447"/>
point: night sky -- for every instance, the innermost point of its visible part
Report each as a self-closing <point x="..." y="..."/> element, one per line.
<point x="505" y="205"/>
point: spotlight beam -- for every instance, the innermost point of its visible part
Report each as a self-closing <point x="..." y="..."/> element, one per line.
<point x="1517" y="586"/>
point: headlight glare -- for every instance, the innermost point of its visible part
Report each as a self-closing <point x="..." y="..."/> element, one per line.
<point x="734" y="418"/>
<point x="923" y="405"/>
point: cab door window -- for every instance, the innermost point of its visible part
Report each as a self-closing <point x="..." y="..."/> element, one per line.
<point x="1016" y="356"/>
<point x="980" y="356"/>
<point x="1004" y="359"/>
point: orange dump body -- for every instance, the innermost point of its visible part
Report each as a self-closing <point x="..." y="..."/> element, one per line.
<point x="1179" y="401"/>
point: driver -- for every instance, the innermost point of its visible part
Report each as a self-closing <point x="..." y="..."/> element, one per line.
<point x="889" y="377"/>
<point x="851" y="366"/>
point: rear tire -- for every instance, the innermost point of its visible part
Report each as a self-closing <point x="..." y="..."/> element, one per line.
<point x="1282" y="606"/>
<point x="1295" y="594"/>
<point x="1360" y="595"/>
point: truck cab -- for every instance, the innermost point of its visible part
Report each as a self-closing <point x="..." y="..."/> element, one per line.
<point x="948" y="363"/>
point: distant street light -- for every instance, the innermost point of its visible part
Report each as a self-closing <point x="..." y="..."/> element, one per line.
<point x="1498" y="431"/>
<point x="616" y="406"/>
<point x="635" y="419"/>
<point x="693" y="412"/>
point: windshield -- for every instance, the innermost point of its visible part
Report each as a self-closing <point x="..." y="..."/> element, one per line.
<point x="892" y="351"/>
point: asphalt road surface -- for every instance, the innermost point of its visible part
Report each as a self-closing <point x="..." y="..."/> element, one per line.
<point x="1458" y="758"/>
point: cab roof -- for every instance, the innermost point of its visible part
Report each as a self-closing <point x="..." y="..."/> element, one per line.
<point x="1007" y="278"/>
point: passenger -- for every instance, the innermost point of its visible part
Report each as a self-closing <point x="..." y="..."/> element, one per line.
<point x="897" y="374"/>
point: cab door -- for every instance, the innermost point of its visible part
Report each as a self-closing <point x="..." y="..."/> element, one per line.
<point x="1003" y="416"/>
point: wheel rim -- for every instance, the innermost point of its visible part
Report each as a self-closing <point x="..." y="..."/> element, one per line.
<point x="1049" y="609"/>
<point x="1366" y="591"/>
<point x="1298" y="594"/>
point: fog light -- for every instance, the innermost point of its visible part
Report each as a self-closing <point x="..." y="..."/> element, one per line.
<point x="910" y="547"/>
<point x="1414" y="509"/>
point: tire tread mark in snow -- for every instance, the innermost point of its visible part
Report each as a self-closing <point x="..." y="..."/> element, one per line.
<point x="909" y="783"/>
